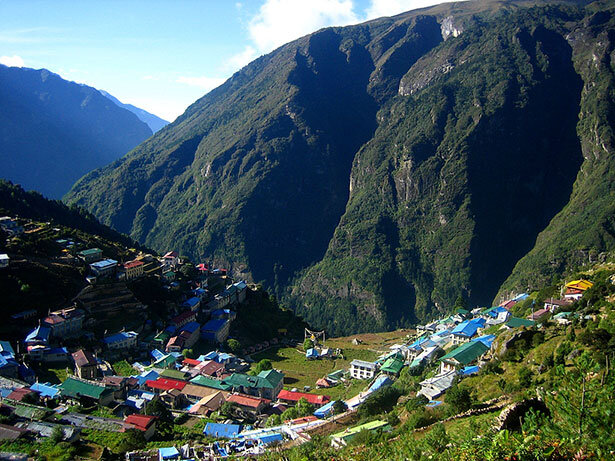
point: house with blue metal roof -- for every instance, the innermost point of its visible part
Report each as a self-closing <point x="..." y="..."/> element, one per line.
<point x="121" y="340"/>
<point x="466" y="330"/>
<point x="487" y="340"/>
<point x="104" y="268"/>
<point x="192" y="303"/>
<point x="39" y="336"/>
<point x="222" y="430"/>
<point x="168" y="453"/>
<point x="216" y="330"/>
<point x="9" y="368"/>
<point x="46" y="390"/>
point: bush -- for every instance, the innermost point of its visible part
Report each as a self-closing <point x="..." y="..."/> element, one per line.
<point x="233" y="345"/>
<point x="339" y="406"/>
<point x="459" y="398"/>
<point x="380" y="401"/>
<point x="421" y="418"/>
<point x="525" y="377"/>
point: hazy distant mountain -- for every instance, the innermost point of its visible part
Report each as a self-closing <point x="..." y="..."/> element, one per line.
<point x="53" y="131"/>
<point x="373" y="173"/>
<point x="153" y="121"/>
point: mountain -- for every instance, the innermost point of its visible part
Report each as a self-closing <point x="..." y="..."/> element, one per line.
<point x="154" y="122"/>
<point x="372" y="174"/>
<point x="53" y="131"/>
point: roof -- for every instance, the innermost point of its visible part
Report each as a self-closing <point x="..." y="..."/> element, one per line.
<point x="76" y="388"/>
<point x="191" y="327"/>
<point x="467" y="352"/>
<point x="325" y="410"/>
<point x="274" y="377"/>
<point x="363" y="363"/>
<point x="141" y="422"/>
<point x="19" y="394"/>
<point x="393" y="364"/>
<point x="119" y="337"/>
<point x="191" y="362"/>
<point x="314" y="399"/>
<point x="83" y="358"/>
<point x="183" y="316"/>
<point x="39" y="333"/>
<point x="468" y="328"/>
<point x="487" y="340"/>
<point x="45" y="389"/>
<point x="581" y="284"/>
<point x="173" y="374"/>
<point x="210" y="367"/>
<point x="246" y="400"/>
<point x="171" y="254"/>
<point x="214" y="325"/>
<point x="222" y="430"/>
<point x="372" y="425"/>
<point x="168" y="452"/>
<point x="380" y="382"/>
<point x="131" y="264"/>
<point x="11" y="432"/>
<point x="191" y="302"/>
<point x="104" y="263"/>
<point x="210" y="382"/>
<point x="516" y="322"/>
<point x="539" y="313"/>
<point x="90" y="251"/>
<point x="166" y="384"/>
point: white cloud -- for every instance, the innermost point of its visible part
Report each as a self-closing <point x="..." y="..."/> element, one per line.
<point x="149" y="77"/>
<point x="206" y="83"/>
<point x="12" y="61"/>
<point x="379" y="8"/>
<point x="280" y="21"/>
<point x="239" y="60"/>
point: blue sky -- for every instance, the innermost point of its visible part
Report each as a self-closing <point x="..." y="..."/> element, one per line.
<point x="163" y="55"/>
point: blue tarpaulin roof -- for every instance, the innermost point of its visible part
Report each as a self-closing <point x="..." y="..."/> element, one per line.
<point x="168" y="453"/>
<point x="270" y="437"/>
<point x="381" y="381"/>
<point x="325" y="410"/>
<point x="222" y="430"/>
<point x="157" y="354"/>
<point x="487" y="340"/>
<point x="467" y="371"/>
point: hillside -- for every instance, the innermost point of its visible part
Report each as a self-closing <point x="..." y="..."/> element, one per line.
<point x="53" y="131"/>
<point x="371" y="174"/>
<point x="154" y="122"/>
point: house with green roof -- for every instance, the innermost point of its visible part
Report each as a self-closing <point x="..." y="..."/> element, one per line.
<point x="342" y="438"/>
<point x="462" y="356"/>
<point x="516" y="322"/>
<point x="31" y="412"/>
<point x="211" y="382"/>
<point x="267" y="384"/>
<point x="174" y="374"/>
<point x="393" y="365"/>
<point x="85" y="391"/>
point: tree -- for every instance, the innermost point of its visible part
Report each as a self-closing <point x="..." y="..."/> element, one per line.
<point x="273" y="420"/>
<point x="132" y="439"/>
<point x="339" y="406"/>
<point x="525" y="377"/>
<point x="307" y="344"/>
<point x="304" y="408"/>
<point x="459" y="398"/>
<point x="57" y="435"/>
<point x="380" y="401"/>
<point x="460" y="302"/>
<point x="228" y="409"/>
<point x="233" y="345"/>
<point x="160" y="410"/>
<point x="263" y="365"/>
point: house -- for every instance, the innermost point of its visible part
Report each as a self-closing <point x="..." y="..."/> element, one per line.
<point x="516" y="322"/>
<point x="216" y="330"/>
<point x="248" y="403"/>
<point x="424" y="357"/>
<point x="211" y="383"/>
<point x="562" y="318"/>
<point x="143" y="423"/>
<point x="466" y="330"/>
<point x="65" y="323"/>
<point x="293" y="397"/>
<point x="12" y="432"/>
<point x="86" y="366"/>
<point x="4" y="260"/>
<point x="540" y="313"/>
<point x="43" y="429"/>
<point x="122" y="340"/>
<point x="360" y="369"/>
<point x="182" y="319"/>
<point x="266" y="384"/>
<point x="91" y="255"/>
<point x="133" y="269"/>
<point x="168" y="453"/>
<point x="173" y="398"/>
<point x="434" y="387"/>
<point x="137" y="399"/>
<point x="576" y="288"/>
<point x="118" y="384"/>
<point x="165" y="384"/>
<point x="393" y="365"/>
<point x="553" y="304"/>
<point x="46" y="391"/>
<point x="38" y="337"/>
<point x="219" y="430"/>
<point x="170" y="259"/>
<point x="192" y="303"/>
<point x="23" y="394"/>
<point x="104" y="268"/>
<point x="85" y="391"/>
<point x="10" y="226"/>
<point x="342" y="438"/>
<point x="208" y="404"/>
<point x="463" y="355"/>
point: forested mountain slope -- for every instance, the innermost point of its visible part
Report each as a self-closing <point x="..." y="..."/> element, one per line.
<point x="373" y="173"/>
<point x="53" y="131"/>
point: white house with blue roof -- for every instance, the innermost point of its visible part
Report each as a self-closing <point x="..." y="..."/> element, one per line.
<point x="463" y="332"/>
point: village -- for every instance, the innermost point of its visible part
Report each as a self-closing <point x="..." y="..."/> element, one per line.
<point x="190" y="367"/>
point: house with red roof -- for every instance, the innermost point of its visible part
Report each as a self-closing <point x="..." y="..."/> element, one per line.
<point x="183" y="319"/>
<point x="293" y="397"/>
<point x="165" y="384"/>
<point x="143" y="423"/>
<point x="133" y="269"/>
<point x="170" y="259"/>
<point x="254" y="405"/>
